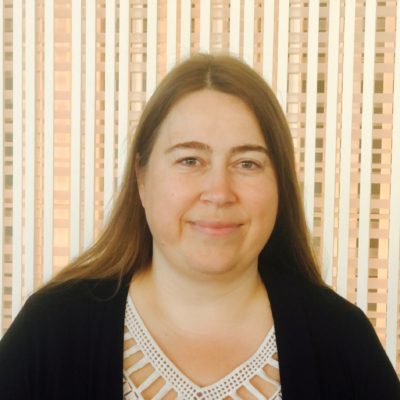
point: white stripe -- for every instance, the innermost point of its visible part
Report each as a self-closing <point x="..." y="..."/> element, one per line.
<point x="138" y="365"/>
<point x="148" y="381"/>
<point x="205" y="17"/>
<point x="234" y="27"/>
<point x="262" y="374"/>
<point x="76" y="115"/>
<point x="185" y="28"/>
<point x="248" y="34"/>
<point x="366" y="155"/>
<point x="1" y="166"/>
<point x="162" y="392"/>
<point x="273" y="363"/>
<point x="171" y="33"/>
<point x="283" y="44"/>
<point x="253" y="390"/>
<point x="151" y="67"/>
<point x="330" y="137"/>
<point x="17" y="160"/>
<point x="311" y="112"/>
<point x="90" y="91"/>
<point x="109" y="108"/>
<point x="394" y="224"/>
<point x="123" y="86"/>
<point x="48" y="174"/>
<point x="268" y="40"/>
<point x="30" y="136"/>
<point x="132" y="350"/>
<point x="345" y="150"/>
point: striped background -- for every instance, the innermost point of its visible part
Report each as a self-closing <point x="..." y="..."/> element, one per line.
<point x="77" y="74"/>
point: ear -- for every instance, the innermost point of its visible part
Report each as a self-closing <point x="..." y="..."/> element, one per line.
<point x="140" y="178"/>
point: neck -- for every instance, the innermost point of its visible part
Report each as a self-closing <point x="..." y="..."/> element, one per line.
<point x="190" y="301"/>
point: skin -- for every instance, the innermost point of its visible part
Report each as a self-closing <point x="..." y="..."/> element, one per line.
<point x="210" y="196"/>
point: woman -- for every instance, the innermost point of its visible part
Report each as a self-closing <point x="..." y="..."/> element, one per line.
<point x="203" y="285"/>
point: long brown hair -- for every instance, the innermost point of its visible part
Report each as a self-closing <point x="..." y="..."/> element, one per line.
<point x="125" y="245"/>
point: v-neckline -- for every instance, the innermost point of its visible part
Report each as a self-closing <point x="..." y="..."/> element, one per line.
<point x="182" y="383"/>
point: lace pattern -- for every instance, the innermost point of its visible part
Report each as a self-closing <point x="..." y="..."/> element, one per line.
<point x="161" y="379"/>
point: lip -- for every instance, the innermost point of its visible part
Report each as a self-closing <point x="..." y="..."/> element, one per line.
<point x="215" y="228"/>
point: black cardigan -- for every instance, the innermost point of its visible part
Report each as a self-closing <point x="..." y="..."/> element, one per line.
<point x="68" y="344"/>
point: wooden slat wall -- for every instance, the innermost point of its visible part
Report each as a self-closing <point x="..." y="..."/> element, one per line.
<point x="76" y="76"/>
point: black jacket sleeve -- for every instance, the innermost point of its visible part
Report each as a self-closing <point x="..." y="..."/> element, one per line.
<point x="352" y="362"/>
<point x="17" y="359"/>
<point x="373" y="374"/>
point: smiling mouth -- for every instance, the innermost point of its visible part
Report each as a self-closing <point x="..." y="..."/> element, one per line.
<point x="215" y="228"/>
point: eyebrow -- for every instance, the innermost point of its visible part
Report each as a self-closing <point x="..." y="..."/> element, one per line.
<point x="205" y="147"/>
<point x="189" y="145"/>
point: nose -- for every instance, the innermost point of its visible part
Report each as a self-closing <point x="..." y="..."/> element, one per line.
<point x="218" y="188"/>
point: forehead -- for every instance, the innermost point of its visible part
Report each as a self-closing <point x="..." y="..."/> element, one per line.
<point x="211" y="115"/>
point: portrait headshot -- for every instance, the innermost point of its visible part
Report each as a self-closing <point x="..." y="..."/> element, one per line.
<point x="200" y="200"/>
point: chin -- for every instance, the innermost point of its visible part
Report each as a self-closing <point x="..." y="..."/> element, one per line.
<point x="212" y="270"/>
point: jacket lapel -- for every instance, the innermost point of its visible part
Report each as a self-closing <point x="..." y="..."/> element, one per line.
<point x="297" y="366"/>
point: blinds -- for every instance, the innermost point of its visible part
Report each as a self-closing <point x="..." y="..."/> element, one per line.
<point x="76" y="75"/>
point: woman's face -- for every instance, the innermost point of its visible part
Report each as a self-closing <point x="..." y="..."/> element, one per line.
<point x="209" y="189"/>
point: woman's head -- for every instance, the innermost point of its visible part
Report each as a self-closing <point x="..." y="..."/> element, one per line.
<point x="126" y="243"/>
<point x="208" y="187"/>
<point x="230" y="76"/>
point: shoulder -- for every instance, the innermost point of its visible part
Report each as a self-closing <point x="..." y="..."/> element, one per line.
<point x="78" y="291"/>
<point x="70" y="313"/>
<point x="341" y="342"/>
<point x="74" y="295"/>
<point x="324" y="304"/>
<point x="332" y="316"/>
<point x="51" y="310"/>
<point x="66" y="328"/>
<point x="319" y="304"/>
<point x="347" y="342"/>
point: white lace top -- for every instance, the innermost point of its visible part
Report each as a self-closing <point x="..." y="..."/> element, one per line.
<point x="152" y="375"/>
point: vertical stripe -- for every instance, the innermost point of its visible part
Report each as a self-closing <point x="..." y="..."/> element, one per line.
<point x="268" y="40"/>
<point x="151" y="67"/>
<point x="76" y="115"/>
<point x="366" y="154"/>
<point x="17" y="159"/>
<point x="330" y="140"/>
<point x="283" y="45"/>
<point x="123" y="86"/>
<point x="90" y="109"/>
<point x="248" y="34"/>
<point x="234" y="27"/>
<point x="109" y="108"/>
<point x="345" y="149"/>
<point x="311" y="112"/>
<point x="171" y="33"/>
<point x="1" y="166"/>
<point x="48" y="175"/>
<point x="205" y="20"/>
<point x="30" y="135"/>
<point x="394" y="222"/>
<point x="185" y="28"/>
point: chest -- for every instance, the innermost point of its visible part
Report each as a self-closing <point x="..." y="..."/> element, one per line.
<point x="215" y="368"/>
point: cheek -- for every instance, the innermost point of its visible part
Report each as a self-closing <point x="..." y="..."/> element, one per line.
<point x="264" y="208"/>
<point x="165" y="196"/>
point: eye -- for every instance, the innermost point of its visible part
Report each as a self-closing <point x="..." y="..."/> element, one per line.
<point x="249" y="165"/>
<point x="189" y="162"/>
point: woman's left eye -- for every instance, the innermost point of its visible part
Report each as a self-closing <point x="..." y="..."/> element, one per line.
<point x="249" y="164"/>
